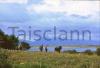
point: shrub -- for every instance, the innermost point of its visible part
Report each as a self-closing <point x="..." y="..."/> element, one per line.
<point x="98" y="51"/>
<point x="24" y="46"/>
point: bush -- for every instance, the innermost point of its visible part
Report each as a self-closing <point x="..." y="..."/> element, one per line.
<point x="98" y="51"/>
<point x="24" y="46"/>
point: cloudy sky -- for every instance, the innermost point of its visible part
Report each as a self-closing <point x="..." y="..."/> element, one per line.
<point x="44" y="14"/>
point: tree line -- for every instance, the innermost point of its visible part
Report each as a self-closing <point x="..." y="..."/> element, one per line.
<point x="12" y="42"/>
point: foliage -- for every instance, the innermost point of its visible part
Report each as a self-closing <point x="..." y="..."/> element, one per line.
<point x="8" y="42"/>
<point x="11" y="42"/>
<point x="98" y="51"/>
<point x="24" y="46"/>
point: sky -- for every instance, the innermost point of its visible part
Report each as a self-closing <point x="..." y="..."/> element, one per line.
<point x="45" y="14"/>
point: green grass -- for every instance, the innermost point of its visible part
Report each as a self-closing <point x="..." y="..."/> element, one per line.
<point x="24" y="59"/>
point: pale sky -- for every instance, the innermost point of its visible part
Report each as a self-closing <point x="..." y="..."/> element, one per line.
<point x="45" y="14"/>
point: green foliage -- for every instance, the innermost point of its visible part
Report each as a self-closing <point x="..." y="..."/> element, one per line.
<point x="1" y="33"/>
<point x="98" y="51"/>
<point x="11" y="42"/>
<point x="24" y="46"/>
<point x="8" y="42"/>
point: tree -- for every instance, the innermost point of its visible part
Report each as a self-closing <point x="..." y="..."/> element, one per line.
<point x="24" y="46"/>
<point x="8" y="42"/>
<point x="1" y="38"/>
<point x="58" y="49"/>
<point x="11" y="42"/>
<point x="98" y="51"/>
<point x="1" y="33"/>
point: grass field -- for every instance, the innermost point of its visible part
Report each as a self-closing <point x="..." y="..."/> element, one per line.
<point x="24" y="59"/>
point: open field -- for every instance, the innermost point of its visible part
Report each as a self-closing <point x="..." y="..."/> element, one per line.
<point x="25" y="59"/>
